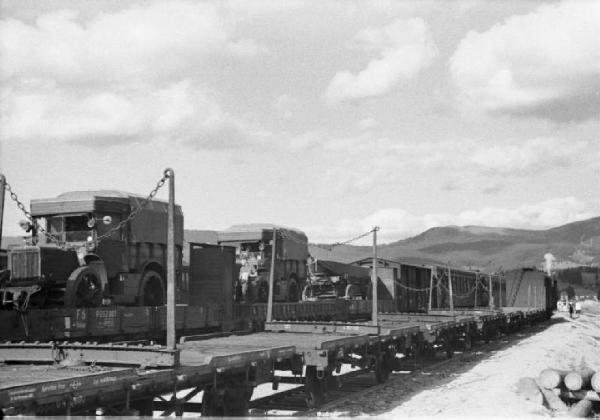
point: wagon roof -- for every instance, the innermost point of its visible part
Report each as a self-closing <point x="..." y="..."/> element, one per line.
<point x="90" y="201"/>
<point x="255" y="232"/>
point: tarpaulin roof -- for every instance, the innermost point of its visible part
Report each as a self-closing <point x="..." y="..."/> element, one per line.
<point x="334" y="268"/>
<point x="258" y="232"/>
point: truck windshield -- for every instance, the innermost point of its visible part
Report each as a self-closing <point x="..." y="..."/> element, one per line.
<point x="70" y="228"/>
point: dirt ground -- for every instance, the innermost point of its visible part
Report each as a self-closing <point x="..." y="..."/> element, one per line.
<point x="482" y="384"/>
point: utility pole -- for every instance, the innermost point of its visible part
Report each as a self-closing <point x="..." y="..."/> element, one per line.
<point x="374" y="278"/>
<point x="430" y="288"/>
<point x="171" y="339"/>
<point x="272" y="276"/>
<point x="476" y="287"/>
<point x="491" y="302"/>
<point x="450" y="290"/>
<point x="2" y="190"/>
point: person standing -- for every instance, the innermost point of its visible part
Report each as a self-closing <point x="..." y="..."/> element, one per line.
<point x="571" y="309"/>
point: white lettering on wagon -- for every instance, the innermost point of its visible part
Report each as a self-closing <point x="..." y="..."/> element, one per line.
<point x="104" y="380"/>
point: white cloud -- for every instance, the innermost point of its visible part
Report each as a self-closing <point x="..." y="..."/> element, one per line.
<point x="404" y="47"/>
<point x="396" y="223"/>
<point x="376" y="162"/>
<point x="367" y="123"/>
<point x="125" y="76"/>
<point x="142" y="43"/>
<point x="544" y="63"/>
<point x="179" y="112"/>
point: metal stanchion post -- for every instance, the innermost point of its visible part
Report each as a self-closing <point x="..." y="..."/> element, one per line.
<point x="374" y="278"/>
<point x="171" y="340"/>
<point x="272" y="277"/>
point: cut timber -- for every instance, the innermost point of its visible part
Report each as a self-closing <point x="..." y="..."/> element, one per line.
<point x="528" y="389"/>
<point x="596" y="381"/>
<point x="581" y="409"/>
<point x="553" y="401"/>
<point x="551" y="378"/>
<point x="579" y="379"/>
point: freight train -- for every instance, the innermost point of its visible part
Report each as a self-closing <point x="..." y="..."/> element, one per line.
<point x="421" y="285"/>
<point x="96" y="254"/>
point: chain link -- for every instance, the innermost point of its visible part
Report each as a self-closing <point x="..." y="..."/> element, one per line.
<point x="136" y="210"/>
<point x="333" y="245"/>
<point x="29" y="217"/>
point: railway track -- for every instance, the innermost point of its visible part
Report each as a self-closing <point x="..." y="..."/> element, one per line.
<point x="292" y="402"/>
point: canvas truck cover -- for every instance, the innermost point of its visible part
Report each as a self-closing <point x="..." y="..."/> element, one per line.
<point x="149" y="225"/>
<point x="293" y="243"/>
<point x="334" y="268"/>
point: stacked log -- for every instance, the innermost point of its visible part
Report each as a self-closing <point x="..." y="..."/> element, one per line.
<point x="559" y="387"/>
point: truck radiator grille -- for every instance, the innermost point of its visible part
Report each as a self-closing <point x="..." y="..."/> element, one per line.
<point x="24" y="263"/>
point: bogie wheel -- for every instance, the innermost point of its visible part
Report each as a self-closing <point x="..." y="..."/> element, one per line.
<point x="263" y="292"/>
<point x="83" y="288"/>
<point x="315" y="394"/>
<point x="212" y="403"/>
<point x="237" y="400"/>
<point x="383" y="367"/>
<point x="293" y="294"/>
<point x="152" y="292"/>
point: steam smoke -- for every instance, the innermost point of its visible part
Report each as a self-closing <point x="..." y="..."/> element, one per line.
<point x="548" y="264"/>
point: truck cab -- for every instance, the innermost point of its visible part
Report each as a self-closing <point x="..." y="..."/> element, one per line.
<point x="80" y="254"/>
<point x="254" y="257"/>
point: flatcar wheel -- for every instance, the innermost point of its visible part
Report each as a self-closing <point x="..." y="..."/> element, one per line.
<point x="212" y="404"/>
<point x="315" y="394"/>
<point x="83" y="289"/>
<point x="383" y="368"/>
<point x="468" y="343"/>
<point x="236" y="401"/>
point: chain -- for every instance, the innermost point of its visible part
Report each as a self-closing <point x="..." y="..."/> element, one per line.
<point x="27" y="214"/>
<point x="412" y="288"/>
<point x="333" y="245"/>
<point x="136" y="210"/>
<point x="455" y="294"/>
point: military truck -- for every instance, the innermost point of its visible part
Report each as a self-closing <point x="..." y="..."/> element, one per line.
<point x="253" y="244"/>
<point x="88" y="258"/>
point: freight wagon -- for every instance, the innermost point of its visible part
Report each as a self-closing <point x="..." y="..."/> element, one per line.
<point x="421" y="285"/>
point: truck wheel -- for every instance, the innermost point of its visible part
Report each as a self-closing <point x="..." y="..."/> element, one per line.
<point x="153" y="293"/>
<point x="263" y="292"/>
<point x="350" y="292"/>
<point x="307" y="292"/>
<point x="293" y="295"/>
<point x="83" y="288"/>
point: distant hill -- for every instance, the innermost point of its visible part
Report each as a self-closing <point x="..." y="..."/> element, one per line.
<point x="487" y="247"/>
<point x="477" y="247"/>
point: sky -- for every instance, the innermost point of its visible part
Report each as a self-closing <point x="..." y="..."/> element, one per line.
<point x="329" y="116"/>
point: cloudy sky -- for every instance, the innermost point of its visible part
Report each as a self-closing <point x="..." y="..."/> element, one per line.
<point x="331" y="116"/>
